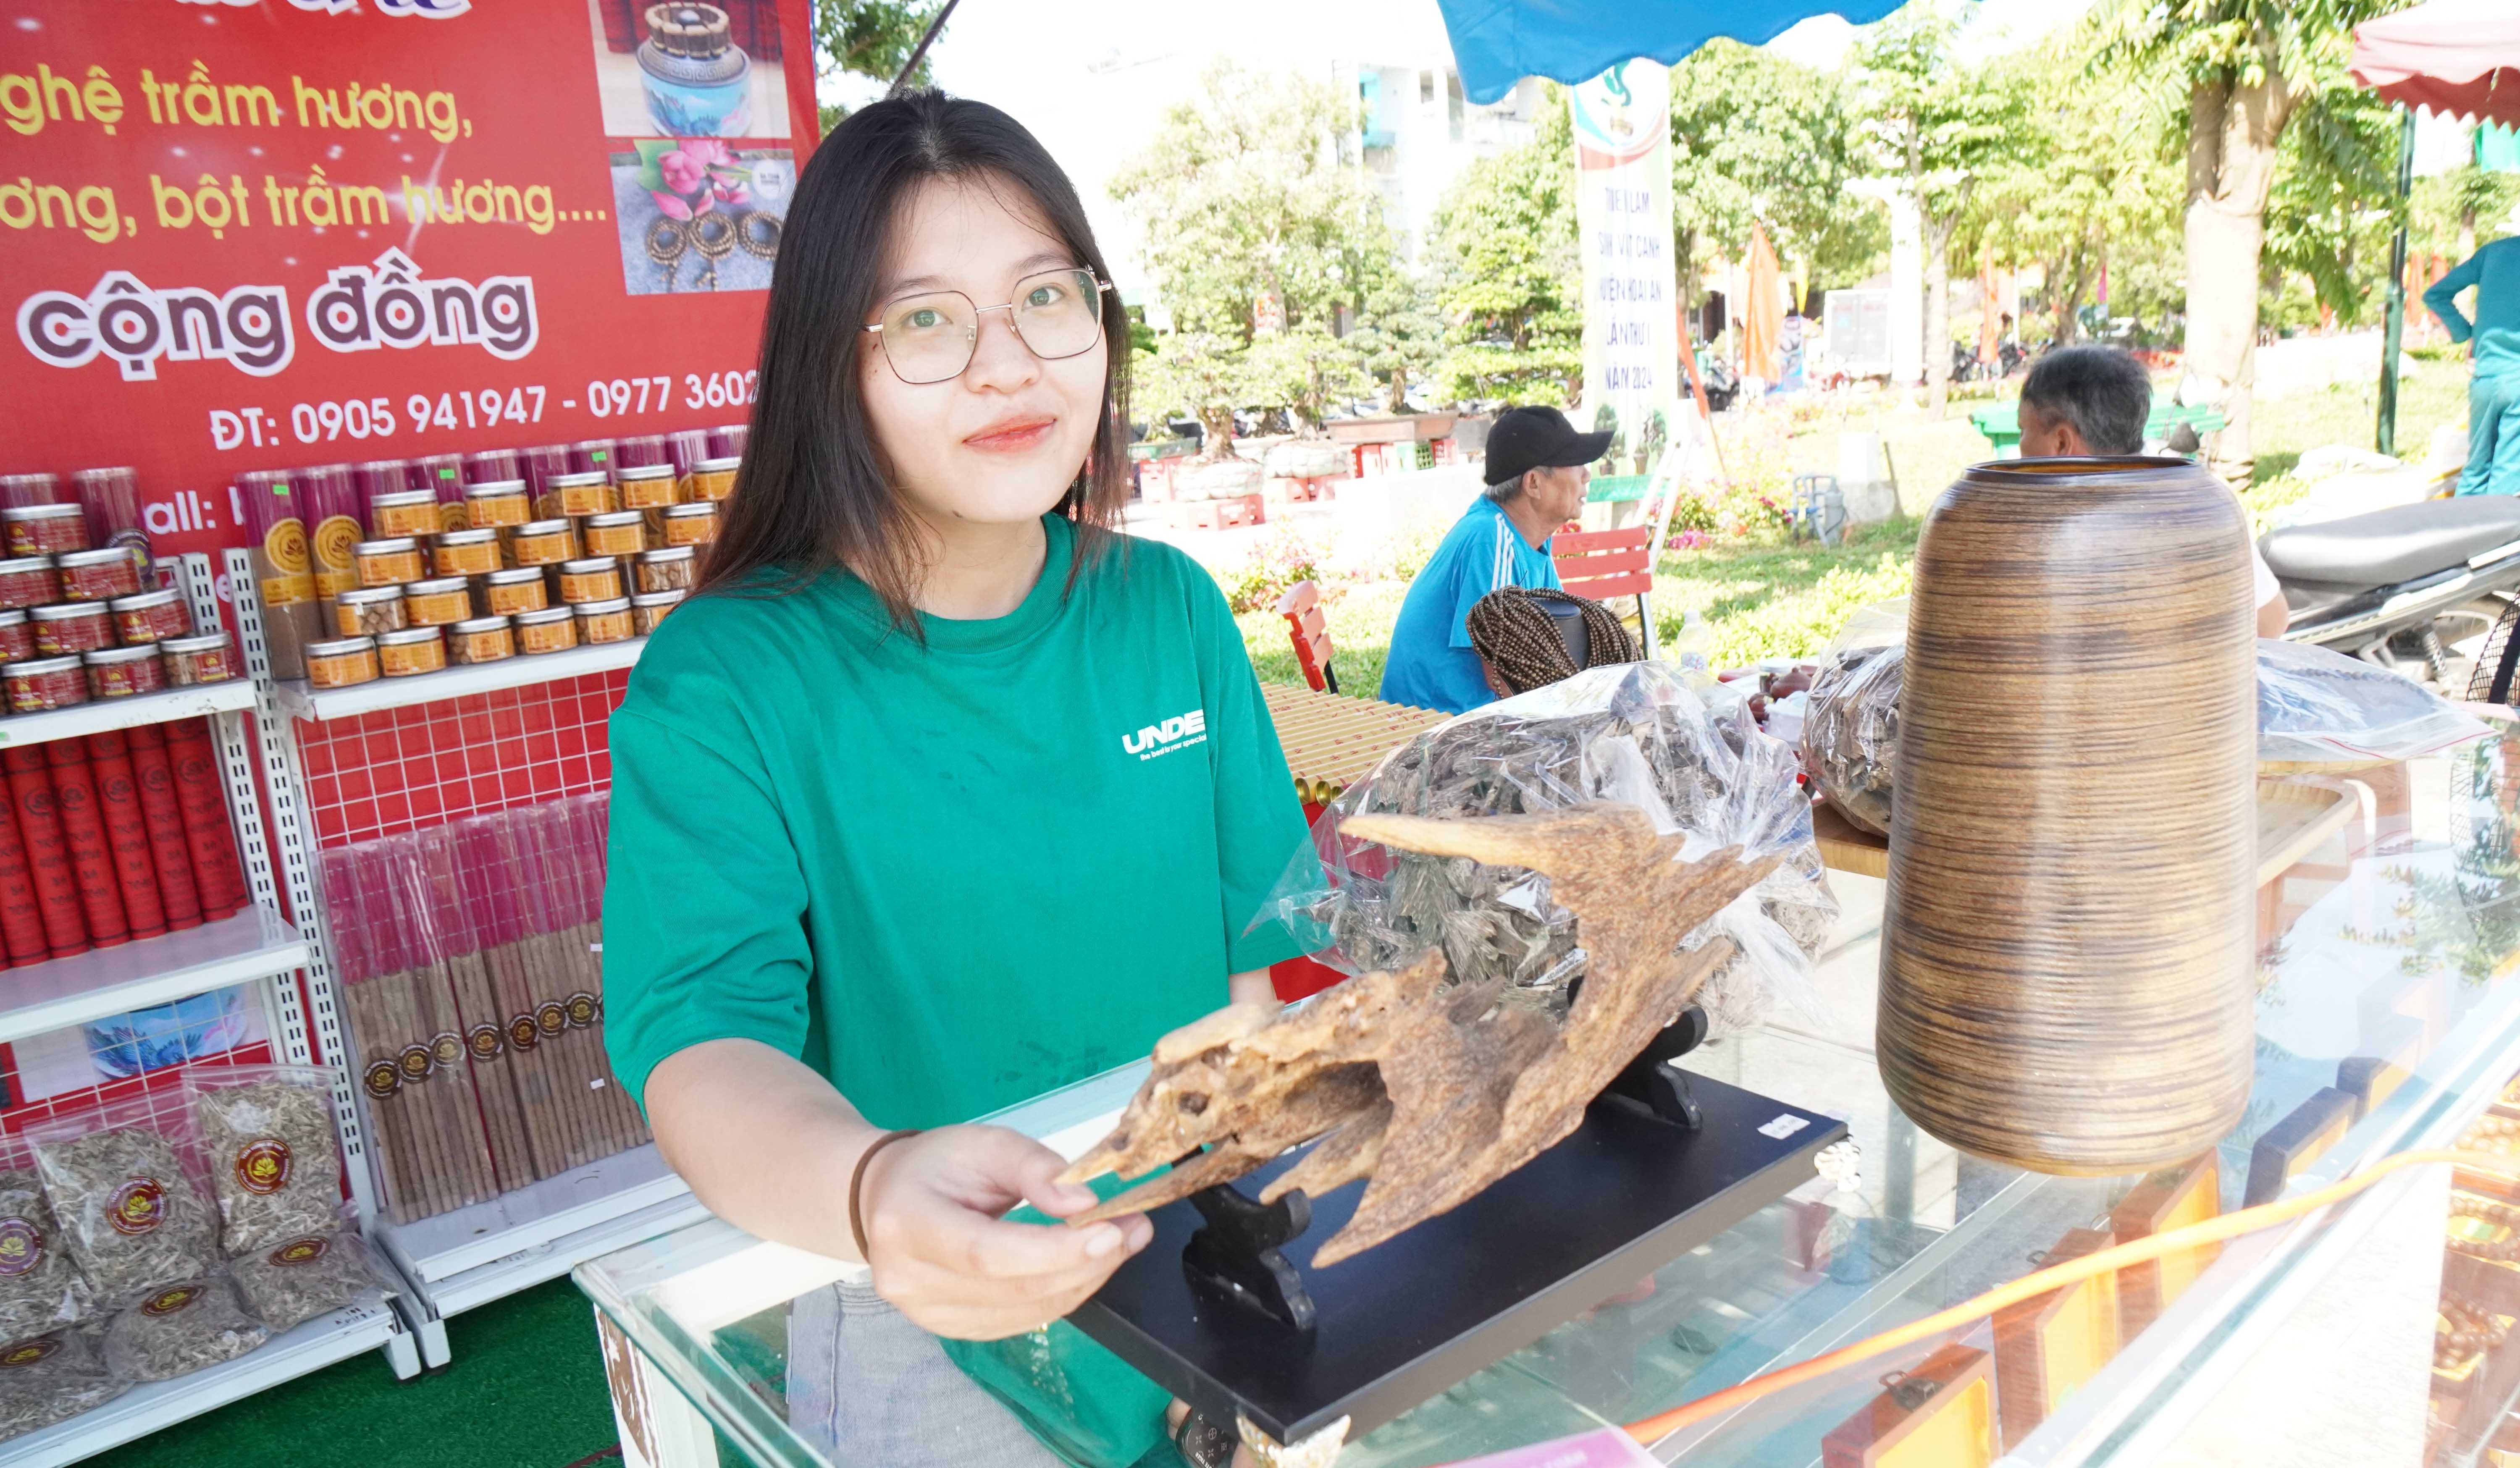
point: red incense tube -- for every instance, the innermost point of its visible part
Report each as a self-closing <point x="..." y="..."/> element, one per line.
<point x="169" y="851"/>
<point x="22" y="920"/>
<point x="208" y="836"/>
<point x="126" y="833"/>
<point x="83" y="829"/>
<point x="48" y="856"/>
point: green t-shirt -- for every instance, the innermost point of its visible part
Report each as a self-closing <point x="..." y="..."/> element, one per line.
<point x="949" y="878"/>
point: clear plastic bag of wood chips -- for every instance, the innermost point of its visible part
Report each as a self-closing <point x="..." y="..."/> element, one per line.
<point x="1851" y="731"/>
<point x="180" y="1328"/>
<point x="275" y="1159"/>
<point x="52" y="1378"/>
<point x="132" y="1216"/>
<point x="2315" y="707"/>
<point x="40" y="1289"/>
<point x="1670" y="744"/>
<point x="304" y="1278"/>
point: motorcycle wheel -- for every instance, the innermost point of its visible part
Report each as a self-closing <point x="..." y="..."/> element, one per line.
<point x="2496" y="661"/>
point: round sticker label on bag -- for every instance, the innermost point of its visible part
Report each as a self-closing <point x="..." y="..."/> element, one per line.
<point x="383" y="1079"/>
<point x="521" y="1033"/>
<point x="21" y="1247"/>
<point x="551" y="1017"/>
<point x="447" y="1046"/>
<point x="484" y="1042"/>
<point x="304" y="1251"/>
<point x="418" y="1064"/>
<point x="581" y="1010"/>
<point x="138" y="1206"/>
<point x="168" y="1302"/>
<point x="262" y="1166"/>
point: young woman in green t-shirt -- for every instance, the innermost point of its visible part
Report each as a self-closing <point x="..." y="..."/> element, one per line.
<point x="937" y="796"/>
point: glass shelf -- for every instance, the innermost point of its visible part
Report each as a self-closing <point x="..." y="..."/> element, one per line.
<point x="2398" y="935"/>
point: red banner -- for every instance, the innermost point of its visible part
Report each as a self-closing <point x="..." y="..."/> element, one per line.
<point x="281" y="234"/>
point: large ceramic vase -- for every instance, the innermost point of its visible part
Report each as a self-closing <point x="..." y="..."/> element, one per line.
<point x="2067" y="954"/>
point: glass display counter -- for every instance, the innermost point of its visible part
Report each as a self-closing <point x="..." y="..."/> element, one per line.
<point x="2388" y="1019"/>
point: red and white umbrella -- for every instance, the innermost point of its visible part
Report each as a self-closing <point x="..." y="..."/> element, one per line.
<point x="2459" y="58"/>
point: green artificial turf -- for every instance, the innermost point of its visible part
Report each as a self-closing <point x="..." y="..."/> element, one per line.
<point x="524" y="1388"/>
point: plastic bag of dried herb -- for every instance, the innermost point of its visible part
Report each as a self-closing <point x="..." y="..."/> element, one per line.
<point x="304" y="1278"/>
<point x="133" y="1218"/>
<point x="40" y="1289"/>
<point x="179" y="1328"/>
<point x="275" y="1161"/>
<point x="52" y="1378"/>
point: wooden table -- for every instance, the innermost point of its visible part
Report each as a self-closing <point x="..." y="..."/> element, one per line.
<point x="2294" y="817"/>
<point x="1333" y="741"/>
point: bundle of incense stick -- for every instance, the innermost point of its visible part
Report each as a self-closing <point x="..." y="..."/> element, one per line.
<point x="487" y="872"/>
<point x="404" y="1023"/>
<point x="533" y="882"/>
<point x="565" y="844"/>
<point x="488" y="1059"/>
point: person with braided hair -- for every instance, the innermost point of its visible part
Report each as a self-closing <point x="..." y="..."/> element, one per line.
<point x="1535" y="476"/>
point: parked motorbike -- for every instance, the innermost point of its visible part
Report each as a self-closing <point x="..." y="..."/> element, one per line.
<point x="2429" y="590"/>
<point x="1721" y="383"/>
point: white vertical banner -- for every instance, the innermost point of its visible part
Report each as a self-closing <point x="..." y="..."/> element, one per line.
<point x="1631" y="381"/>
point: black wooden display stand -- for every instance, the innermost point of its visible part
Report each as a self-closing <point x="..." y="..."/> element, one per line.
<point x="1224" y="1310"/>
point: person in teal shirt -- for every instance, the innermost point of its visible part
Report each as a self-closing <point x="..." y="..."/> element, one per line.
<point x="937" y="795"/>
<point x="2494" y="384"/>
<point x="1536" y="477"/>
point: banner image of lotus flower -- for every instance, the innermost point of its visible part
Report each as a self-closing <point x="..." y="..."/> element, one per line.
<point x="689" y="176"/>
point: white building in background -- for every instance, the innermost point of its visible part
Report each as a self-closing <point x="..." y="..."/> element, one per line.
<point x="1420" y="132"/>
<point x="1094" y="80"/>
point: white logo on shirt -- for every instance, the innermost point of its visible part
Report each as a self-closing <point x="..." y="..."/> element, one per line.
<point x="1179" y="731"/>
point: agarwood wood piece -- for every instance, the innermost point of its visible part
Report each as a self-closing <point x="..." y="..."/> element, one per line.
<point x="1433" y="1094"/>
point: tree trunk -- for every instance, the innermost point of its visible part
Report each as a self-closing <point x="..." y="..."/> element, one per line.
<point x="1938" y="314"/>
<point x="2233" y="130"/>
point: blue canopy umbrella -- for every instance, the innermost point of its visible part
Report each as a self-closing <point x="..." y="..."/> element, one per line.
<point x="1498" y="42"/>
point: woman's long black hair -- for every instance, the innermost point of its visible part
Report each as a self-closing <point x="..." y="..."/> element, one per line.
<point x="812" y="494"/>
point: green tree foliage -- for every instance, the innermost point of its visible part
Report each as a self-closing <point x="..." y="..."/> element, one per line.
<point x="2334" y="203"/>
<point x="2253" y="70"/>
<point x="1399" y="338"/>
<point x="1197" y="373"/>
<point x="1757" y="137"/>
<point x="867" y="38"/>
<point x="1501" y="254"/>
<point x="2453" y="210"/>
<point x="1942" y="127"/>
<point x="2080" y="185"/>
<point x="1242" y="195"/>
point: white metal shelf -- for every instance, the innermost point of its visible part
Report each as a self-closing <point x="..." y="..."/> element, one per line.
<point x="254" y="943"/>
<point x="144" y="1409"/>
<point x="296" y="701"/>
<point x="106" y="714"/>
<point x="526" y="1268"/>
<point x="436" y="1249"/>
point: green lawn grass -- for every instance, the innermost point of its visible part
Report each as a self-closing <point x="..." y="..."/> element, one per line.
<point x="1763" y="596"/>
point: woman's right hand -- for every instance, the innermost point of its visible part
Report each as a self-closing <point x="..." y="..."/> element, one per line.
<point x="943" y="1255"/>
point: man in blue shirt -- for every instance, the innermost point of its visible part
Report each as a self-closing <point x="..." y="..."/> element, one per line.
<point x="1535" y="476"/>
<point x="2494" y="391"/>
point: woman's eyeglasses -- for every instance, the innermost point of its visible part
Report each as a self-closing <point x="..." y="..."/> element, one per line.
<point x="929" y="337"/>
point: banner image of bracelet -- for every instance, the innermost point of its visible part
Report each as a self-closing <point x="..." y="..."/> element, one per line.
<point x="697" y="214"/>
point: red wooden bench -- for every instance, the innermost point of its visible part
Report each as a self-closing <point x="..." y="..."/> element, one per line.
<point x="1310" y="631"/>
<point x="1600" y="564"/>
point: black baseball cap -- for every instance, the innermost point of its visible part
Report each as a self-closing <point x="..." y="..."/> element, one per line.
<point x="1529" y="438"/>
